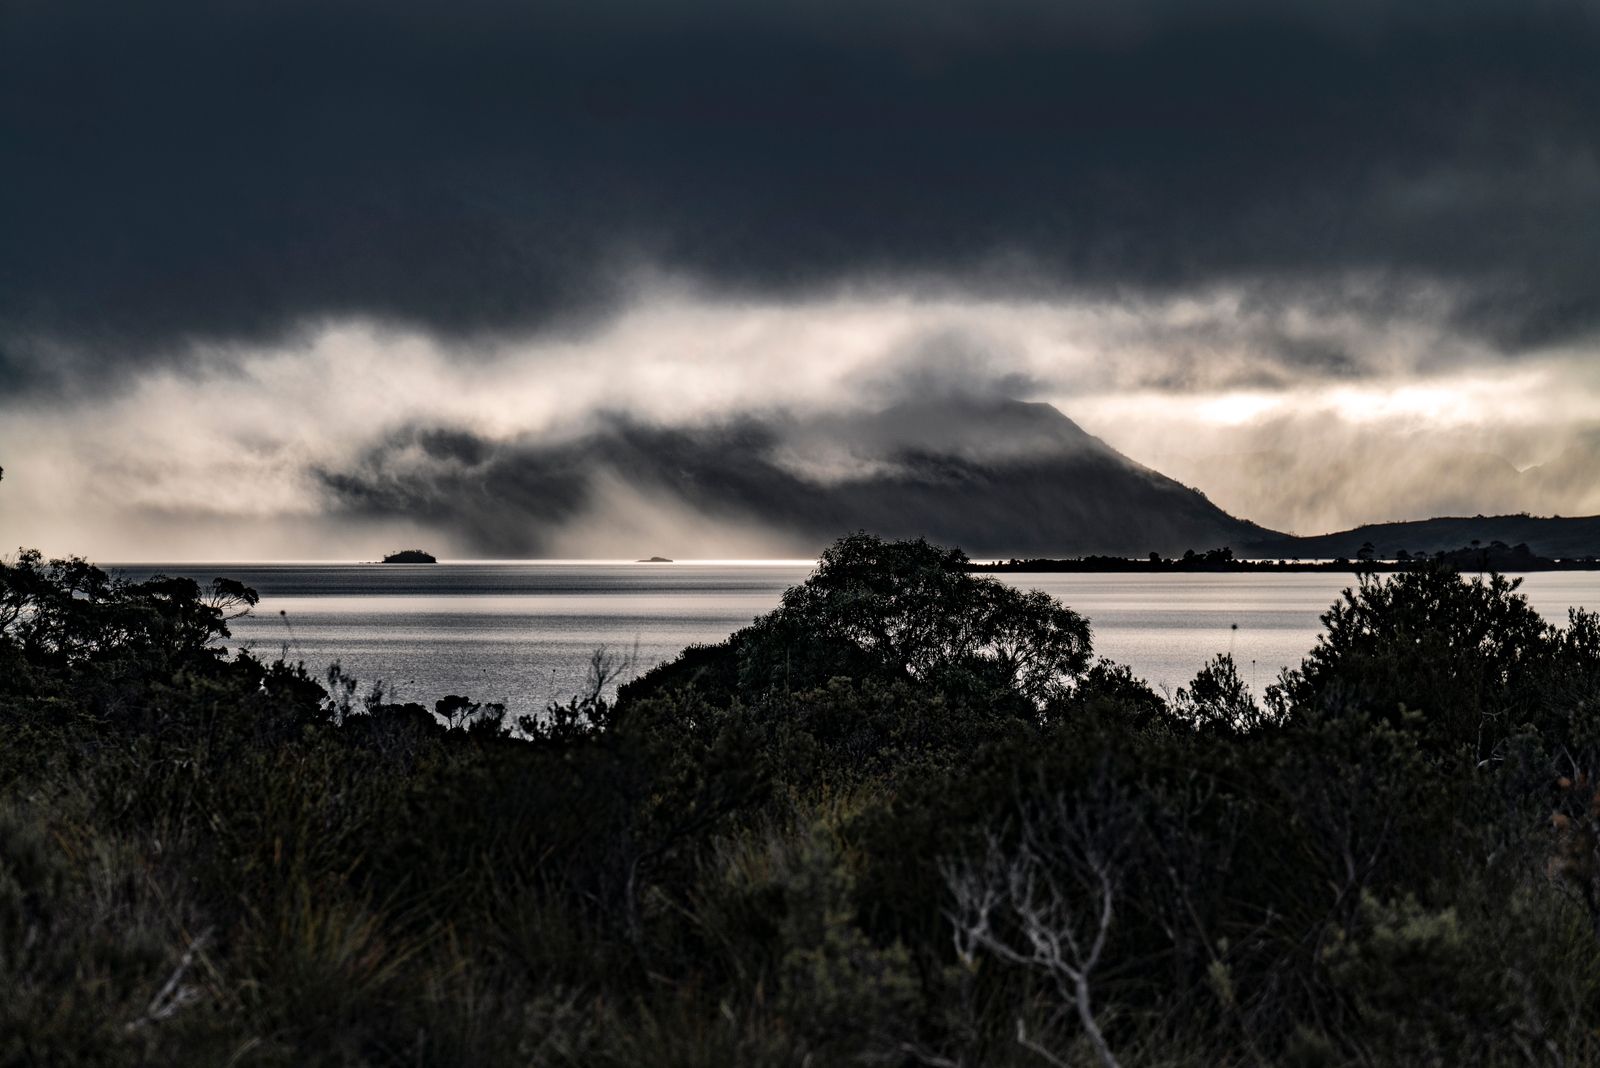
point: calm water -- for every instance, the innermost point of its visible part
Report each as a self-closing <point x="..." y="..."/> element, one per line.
<point x="523" y="633"/>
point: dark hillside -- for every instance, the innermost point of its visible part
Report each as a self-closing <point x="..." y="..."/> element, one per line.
<point x="1559" y="538"/>
<point x="997" y="477"/>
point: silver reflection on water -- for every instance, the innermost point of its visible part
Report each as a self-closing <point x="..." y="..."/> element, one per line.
<point x="523" y="633"/>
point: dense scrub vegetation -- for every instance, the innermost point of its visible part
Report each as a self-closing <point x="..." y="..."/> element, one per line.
<point x="907" y="818"/>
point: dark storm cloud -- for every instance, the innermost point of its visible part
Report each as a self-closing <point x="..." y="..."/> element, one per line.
<point x="943" y="363"/>
<point x="183" y="172"/>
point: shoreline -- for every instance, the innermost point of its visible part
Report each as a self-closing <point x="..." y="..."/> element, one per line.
<point x="1114" y="565"/>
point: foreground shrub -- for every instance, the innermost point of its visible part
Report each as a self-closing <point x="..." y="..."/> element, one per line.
<point x="906" y="818"/>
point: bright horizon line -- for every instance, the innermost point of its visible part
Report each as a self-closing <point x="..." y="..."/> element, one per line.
<point x="574" y="561"/>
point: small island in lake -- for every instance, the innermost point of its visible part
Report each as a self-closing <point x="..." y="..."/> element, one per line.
<point x="654" y="560"/>
<point x="410" y="556"/>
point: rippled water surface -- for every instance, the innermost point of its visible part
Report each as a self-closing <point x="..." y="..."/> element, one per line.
<point x="523" y="633"/>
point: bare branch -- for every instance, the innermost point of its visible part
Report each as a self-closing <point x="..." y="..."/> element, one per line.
<point x="173" y="995"/>
<point x="1047" y="903"/>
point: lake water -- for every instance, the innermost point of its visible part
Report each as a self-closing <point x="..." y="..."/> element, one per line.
<point x="523" y="633"/>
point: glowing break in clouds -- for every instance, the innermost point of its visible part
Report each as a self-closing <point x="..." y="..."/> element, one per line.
<point x="1217" y="391"/>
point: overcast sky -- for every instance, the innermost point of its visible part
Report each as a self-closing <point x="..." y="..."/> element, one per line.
<point x="1329" y="261"/>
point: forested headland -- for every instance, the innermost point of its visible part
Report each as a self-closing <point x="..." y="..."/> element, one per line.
<point x="1495" y="556"/>
<point x="906" y="818"/>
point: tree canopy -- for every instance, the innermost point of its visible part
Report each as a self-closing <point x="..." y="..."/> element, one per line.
<point x="907" y="611"/>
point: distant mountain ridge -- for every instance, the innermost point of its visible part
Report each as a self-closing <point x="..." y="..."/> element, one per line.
<point x="1564" y="538"/>
<point x="996" y="477"/>
<point x="1002" y="476"/>
<point x="999" y="478"/>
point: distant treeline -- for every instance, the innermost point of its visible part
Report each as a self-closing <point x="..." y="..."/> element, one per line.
<point x="1496" y="556"/>
<point x="906" y="819"/>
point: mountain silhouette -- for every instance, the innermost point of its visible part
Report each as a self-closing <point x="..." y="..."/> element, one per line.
<point x="997" y="477"/>
<point x="1554" y="537"/>
<point x="1000" y="477"/>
